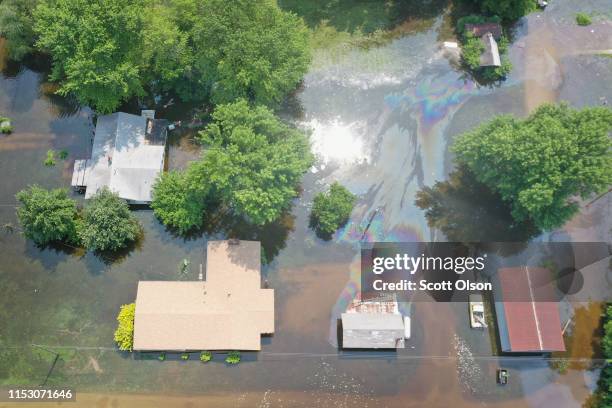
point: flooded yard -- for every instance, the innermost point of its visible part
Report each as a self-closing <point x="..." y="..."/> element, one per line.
<point x="381" y="121"/>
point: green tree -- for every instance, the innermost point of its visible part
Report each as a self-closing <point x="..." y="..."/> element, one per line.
<point x="254" y="162"/>
<point x="331" y="210"/>
<point x="541" y="164"/>
<point x="47" y="216"/>
<point x="96" y="46"/>
<point x="16" y="25"/>
<point x="250" y="49"/>
<point x="107" y="223"/>
<point x="124" y="335"/>
<point x="179" y="200"/>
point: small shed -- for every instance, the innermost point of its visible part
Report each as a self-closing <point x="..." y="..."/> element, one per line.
<point x="374" y="324"/>
<point x="372" y="331"/>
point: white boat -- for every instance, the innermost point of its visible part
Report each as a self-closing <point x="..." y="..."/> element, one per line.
<point x="476" y="308"/>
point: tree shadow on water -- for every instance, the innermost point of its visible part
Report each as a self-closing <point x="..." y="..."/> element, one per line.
<point x="466" y="210"/>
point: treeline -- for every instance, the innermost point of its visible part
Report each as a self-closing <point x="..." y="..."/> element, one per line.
<point x="105" y="52"/>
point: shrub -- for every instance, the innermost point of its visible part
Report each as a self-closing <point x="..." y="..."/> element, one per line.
<point x="205" y="356"/>
<point x="185" y="356"/>
<point x="162" y="356"/>
<point x="124" y="335"/>
<point x="583" y="19"/>
<point x="5" y="125"/>
<point x="107" y="223"/>
<point x="233" y="357"/>
<point x="331" y="210"/>
<point x="47" y="215"/>
<point x="472" y="49"/>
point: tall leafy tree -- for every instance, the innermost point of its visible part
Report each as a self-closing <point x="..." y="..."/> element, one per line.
<point x="540" y="165"/>
<point x="250" y="49"/>
<point x="107" y="223"/>
<point x="96" y="46"/>
<point x="16" y="26"/>
<point x="254" y="162"/>
<point x="47" y="216"/>
<point x="166" y="50"/>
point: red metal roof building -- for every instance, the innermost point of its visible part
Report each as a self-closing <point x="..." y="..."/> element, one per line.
<point x="526" y="325"/>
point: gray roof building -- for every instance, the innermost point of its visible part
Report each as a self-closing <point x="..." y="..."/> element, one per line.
<point x="127" y="156"/>
<point x="490" y="56"/>
<point x="372" y="330"/>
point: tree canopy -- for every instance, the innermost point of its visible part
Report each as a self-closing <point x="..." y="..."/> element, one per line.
<point x="96" y="48"/>
<point x="179" y="200"/>
<point x="47" y="216"/>
<point x="108" y="224"/>
<point x="509" y="10"/>
<point x="331" y="210"/>
<point x="251" y="167"/>
<point x="107" y="51"/>
<point x="539" y="165"/>
<point x="250" y="49"/>
<point x="253" y="161"/>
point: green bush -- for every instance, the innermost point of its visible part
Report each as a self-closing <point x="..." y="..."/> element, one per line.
<point x="331" y="210"/>
<point x="47" y="216"/>
<point x="124" y="335"/>
<point x="185" y="356"/>
<point x="162" y="356"/>
<point x="108" y="224"/>
<point x="583" y="19"/>
<point x="233" y="357"/>
<point x="205" y="356"/>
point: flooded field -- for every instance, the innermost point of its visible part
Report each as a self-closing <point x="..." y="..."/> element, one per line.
<point x="381" y="121"/>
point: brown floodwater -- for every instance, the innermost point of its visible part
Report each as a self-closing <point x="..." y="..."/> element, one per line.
<point x="381" y="121"/>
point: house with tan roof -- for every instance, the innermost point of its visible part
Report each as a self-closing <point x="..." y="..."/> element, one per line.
<point x="229" y="310"/>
